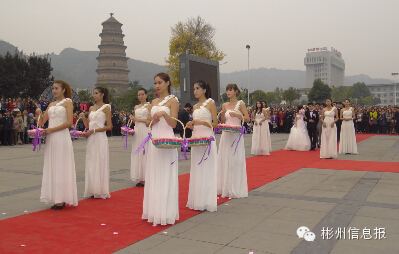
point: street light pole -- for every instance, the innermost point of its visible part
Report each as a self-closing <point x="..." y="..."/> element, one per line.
<point x="248" y="47"/>
<point x="395" y="74"/>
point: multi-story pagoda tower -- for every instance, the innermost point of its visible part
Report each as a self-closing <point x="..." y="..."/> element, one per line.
<point x="112" y="61"/>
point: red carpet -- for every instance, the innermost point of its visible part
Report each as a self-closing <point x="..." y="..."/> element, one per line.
<point x="79" y="230"/>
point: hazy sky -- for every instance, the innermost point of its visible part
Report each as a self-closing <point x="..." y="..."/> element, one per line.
<point x="279" y="32"/>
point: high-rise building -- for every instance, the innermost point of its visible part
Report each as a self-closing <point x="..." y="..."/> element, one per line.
<point x="112" y="61"/>
<point x="325" y="65"/>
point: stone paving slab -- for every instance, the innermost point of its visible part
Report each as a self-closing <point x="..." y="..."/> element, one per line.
<point x="265" y="222"/>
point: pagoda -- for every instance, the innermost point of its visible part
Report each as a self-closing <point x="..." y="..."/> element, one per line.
<point x="112" y="61"/>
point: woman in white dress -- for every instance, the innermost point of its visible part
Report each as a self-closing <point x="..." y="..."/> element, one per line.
<point x="347" y="142"/>
<point x="299" y="139"/>
<point x="202" y="193"/>
<point x="59" y="175"/>
<point x="328" y="147"/>
<point x="161" y="190"/>
<point x="138" y="161"/>
<point x="261" y="142"/>
<point x="232" y="171"/>
<point x="97" y="149"/>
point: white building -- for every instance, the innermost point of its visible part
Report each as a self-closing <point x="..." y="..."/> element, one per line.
<point x="388" y="93"/>
<point x="325" y="65"/>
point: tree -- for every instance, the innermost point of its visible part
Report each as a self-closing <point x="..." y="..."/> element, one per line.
<point x="224" y="98"/>
<point x="22" y="76"/>
<point x="341" y="93"/>
<point x="290" y="95"/>
<point x="366" y="100"/>
<point x="84" y="95"/>
<point x="360" y="90"/>
<point x="270" y="98"/>
<point x="134" y="83"/>
<point x="194" y="37"/>
<point x="258" y="95"/>
<point x="319" y="91"/>
<point x="278" y="92"/>
<point x="376" y="101"/>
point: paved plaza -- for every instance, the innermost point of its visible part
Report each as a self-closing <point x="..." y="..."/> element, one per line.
<point x="336" y="205"/>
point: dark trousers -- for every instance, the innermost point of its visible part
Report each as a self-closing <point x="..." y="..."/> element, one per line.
<point x="383" y="129"/>
<point x="366" y="127"/>
<point x="8" y="137"/>
<point x="312" y="132"/>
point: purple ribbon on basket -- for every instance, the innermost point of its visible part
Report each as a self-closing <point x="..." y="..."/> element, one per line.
<point x="37" y="139"/>
<point x="74" y="133"/>
<point x="125" y="134"/>
<point x="142" y="145"/>
<point x="216" y="130"/>
<point x="184" y="147"/>
<point x="209" y="150"/>
<point x="243" y="130"/>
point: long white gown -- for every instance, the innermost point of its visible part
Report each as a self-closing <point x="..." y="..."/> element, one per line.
<point x="232" y="169"/>
<point x="59" y="175"/>
<point x="138" y="161"/>
<point x="202" y="193"/>
<point x="328" y="148"/>
<point x="261" y="142"/>
<point x="97" y="157"/>
<point x="347" y="143"/>
<point x="161" y="190"/>
<point x="299" y="138"/>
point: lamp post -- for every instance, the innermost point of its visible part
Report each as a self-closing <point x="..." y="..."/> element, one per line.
<point x="221" y="98"/>
<point x="395" y="74"/>
<point x="248" y="47"/>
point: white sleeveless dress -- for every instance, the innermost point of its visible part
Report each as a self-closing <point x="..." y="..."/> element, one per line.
<point x="232" y="171"/>
<point x="328" y="148"/>
<point x="299" y="138"/>
<point x="161" y="190"/>
<point x="138" y="161"/>
<point x="202" y="193"/>
<point x="347" y="142"/>
<point x="59" y="175"/>
<point x="97" y="157"/>
<point x="261" y="143"/>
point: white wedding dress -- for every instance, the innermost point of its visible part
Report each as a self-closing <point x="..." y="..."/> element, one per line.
<point x="298" y="139"/>
<point x="202" y="193"/>
<point x="261" y="143"/>
<point x="59" y="175"/>
<point x="232" y="170"/>
<point x="161" y="190"/>
<point x="347" y="142"/>
<point x="328" y="148"/>
<point x="138" y="161"/>
<point x="97" y="157"/>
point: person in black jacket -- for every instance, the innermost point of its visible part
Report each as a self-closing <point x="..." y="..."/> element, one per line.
<point x="288" y="120"/>
<point x="184" y="117"/>
<point x="7" y="127"/>
<point x="312" y="119"/>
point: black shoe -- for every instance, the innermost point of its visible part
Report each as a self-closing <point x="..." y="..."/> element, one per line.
<point x="53" y="207"/>
<point x="138" y="184"/>
<point x="59" y="207"/>
<point x="92" y="196"/>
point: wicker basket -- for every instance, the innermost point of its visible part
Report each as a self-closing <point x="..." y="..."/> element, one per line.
<point x="32" y="133"/>
<point x="168" y="142"/>
<point x="200" y="141"/>
<point x="77" y="134"/>
<point x="126" y="130"/>
<point x="231" y="128"/>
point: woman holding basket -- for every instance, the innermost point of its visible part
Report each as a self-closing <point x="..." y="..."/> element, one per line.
<point x="232" y="172"/>
<point x="59" y="175"/>
<point x="161" y="190"/>
<point x="97" y="150"/>
<point x="138" y="161"/>
<point x="202" y="194"/>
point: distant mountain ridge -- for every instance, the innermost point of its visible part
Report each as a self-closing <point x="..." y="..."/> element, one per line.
<point x="79" y="69"/>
